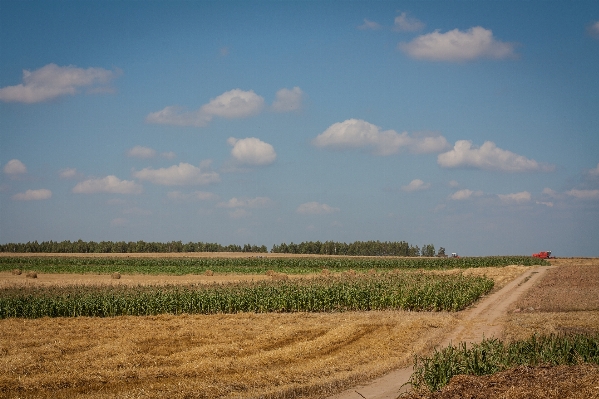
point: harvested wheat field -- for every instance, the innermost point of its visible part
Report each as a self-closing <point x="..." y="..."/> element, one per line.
<point x="217" y="356"/>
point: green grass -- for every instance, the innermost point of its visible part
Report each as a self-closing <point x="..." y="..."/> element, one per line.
<point x="252" y="265"/>
<point x="492" y="356"/>
<point x="407" y="291"/>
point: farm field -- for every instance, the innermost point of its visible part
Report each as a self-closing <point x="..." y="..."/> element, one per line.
<point x="238" y="355"/>
<point x="563" y="302"/>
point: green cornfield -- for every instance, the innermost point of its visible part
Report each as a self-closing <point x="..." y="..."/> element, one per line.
<point x="250" y="265"/>
<point x="492" y="356"/>
<point x="406" y="291"/>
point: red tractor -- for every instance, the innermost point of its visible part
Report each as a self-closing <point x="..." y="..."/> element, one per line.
<point x="543" y="255"/>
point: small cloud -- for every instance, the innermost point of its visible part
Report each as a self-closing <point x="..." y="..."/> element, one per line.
<point x="488" y="157"/>
<point x="593" y="29"/>
<point x="52" y="81"/>
<point x="68" y="173"/>
<point x="550" y="192"/>
<point x="179" y="175"/>
<point x="14" y="168"/>
<point x="315" y="208"/>
<point x="465" y="194"/>
<point x="453" y="183"/>
<point x="231" y="104"/>
<point x="258" y="202"/>
<point x="252" y="151"/>
<point x="403" y="23"/>
<point x="458" y="46"/>
<point x="595" y="171"/>
<point x="288" y="100"/>
<point x="520" y="197"/>
<point x="357" y="133"/>
<point x="141" y="152"/>
<point x="439" y="208"/>
<point x="33" y="195"/>
<point x="369" y="25"/>
<point x="108" y="184"/>
<point x="194" y="196"/>
<point x="239" y="213"/>
<point x="584" y="194"/>
<point x="547" y="204"/>
<point x="416" y="185"/>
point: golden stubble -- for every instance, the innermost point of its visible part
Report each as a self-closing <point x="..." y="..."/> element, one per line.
<point x="209" y="356"/>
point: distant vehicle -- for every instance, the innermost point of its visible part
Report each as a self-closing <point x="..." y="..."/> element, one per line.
<point x="543" y="255"/>
<point x="454" y="255"/>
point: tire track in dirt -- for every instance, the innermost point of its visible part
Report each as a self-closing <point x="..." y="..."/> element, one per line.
<point x="482" y="320"/>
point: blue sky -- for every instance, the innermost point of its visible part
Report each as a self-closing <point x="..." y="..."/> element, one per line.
<point x="470" y="125"/>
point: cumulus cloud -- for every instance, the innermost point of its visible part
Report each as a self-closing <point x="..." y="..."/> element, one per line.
<point x="520" y="197"/>
<point x="488" y="157"/>
<point x="33" y="195"/>
<point x="465" y="194"/>
<point x="141" y="152"/>
<point x="235" y="103"/>
<point x="584" y="194"/>
<point x="457" y="46"/>
<point x="68" y="173"/>
<point x="357" y="133"/>
<point x="595" y="171"/>
<point x="315" y="208"/>
<point x="594" y="29"/>
<point x="14" y="168"/>
<point x="108" y="184"/>
<point x="416" y="185"/>
<point x="180" y="175"/>
<point x="403" y="23"/>
<point x="194" y="196"/>
<point x="52" y="81"/>
<point x="369" y="25"/>
<point x="258" y="202"/>
<point x="288" y="100"/>
<point x="252" y="151"/>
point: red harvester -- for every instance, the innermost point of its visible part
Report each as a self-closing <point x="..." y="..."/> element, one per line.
<point x="543" y="255"/>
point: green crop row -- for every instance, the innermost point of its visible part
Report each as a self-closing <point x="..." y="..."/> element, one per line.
<point x="492" y="356"/>
<point x="252" y="265"/>
<point x="408" y="291"/>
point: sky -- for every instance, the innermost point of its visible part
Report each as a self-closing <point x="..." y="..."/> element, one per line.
<point x="470" y="125"/>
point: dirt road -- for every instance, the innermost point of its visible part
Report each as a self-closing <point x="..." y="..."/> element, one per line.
<point x="482" y="320"/>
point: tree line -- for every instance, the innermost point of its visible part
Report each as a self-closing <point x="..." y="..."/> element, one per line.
<point x="357" y="248"/>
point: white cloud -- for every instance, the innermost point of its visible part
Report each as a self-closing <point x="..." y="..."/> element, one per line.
<point x="456" y="46"/>
<point x="194" y="196"/>
<point x="52" y="81"/>
<point x="488" y="157"/>
<point x="235" y="103"/>
<point x="258" y="202"/>
<point x="546" y="203"/>
<point x="141" y="152"/>
<point x="315" y="208"/>
<point x="594" y="29"/>
<point x="288" y="100"/>
<point x="520" y="197"/>
<point x="168" y="155"/>
<point x="416" y="185"/>
<point x="108" y="184"/>
<point x="595" y="171"/>
<point x="453" y="183"/>
<point x="369" y="25"/>
<point x="32" y="195"/>
<point x="584" y="194"/>
<point x="68" y="173"/>
<point x="403" y="23"/>
<point x="465" y="194"/>
<point x="14" y="168"/>
<point x="179" y="175"/>
<point x="357" y="133"/>
<point x="252" y="151"/>
<point x="550" y="192"/>
<point x="239" y="213"/>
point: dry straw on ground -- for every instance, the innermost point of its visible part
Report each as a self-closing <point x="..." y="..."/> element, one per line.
<point x="116" y="275"/>
<point x="16" y="272"/>
<point x="31" y="275"/>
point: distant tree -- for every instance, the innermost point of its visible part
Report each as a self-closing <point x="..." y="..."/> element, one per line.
<point x="441" y="252"/>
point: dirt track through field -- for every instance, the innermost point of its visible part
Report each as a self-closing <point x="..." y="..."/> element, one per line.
<point x="482" y="320"/>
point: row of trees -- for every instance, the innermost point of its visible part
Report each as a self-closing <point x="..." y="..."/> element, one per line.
<point x="81" y="246"/>
<point x="358" y="248"/>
